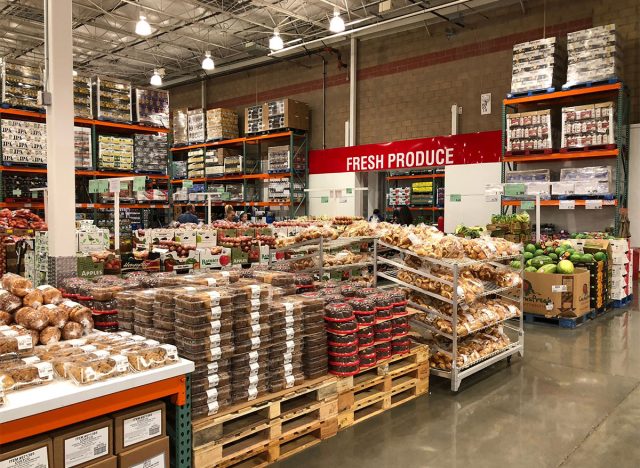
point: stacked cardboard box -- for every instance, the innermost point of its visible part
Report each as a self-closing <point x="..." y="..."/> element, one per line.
<point x="621" y="268"/>
<point x="152" y="107"/>
<point x="82" y="102"/>
<point x="588" y="125"/>
<point x="530" y="131"/>
<point x="195" y="126"/>
<point x="113" y="99"/>
<point x="150" y="152"/>
<point x="180" y="124"/>
<point x="588" y="180"/>
<point x="278" y="159"/>
<point x="399" y="196"/>
<point x="222" y="124"/>
<point x="24" y="142"/>
<point x="213" y="163"/>
<point x="537" y="65"/>
<point x="253" y="119"/>
<point x="20" y="84"/>
<point x="195" y="163"/>
<point x="594" y="54"/>
<point x="115" y="152"/>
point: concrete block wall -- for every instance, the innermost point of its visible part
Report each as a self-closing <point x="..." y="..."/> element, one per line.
<point x="408" y="81"/>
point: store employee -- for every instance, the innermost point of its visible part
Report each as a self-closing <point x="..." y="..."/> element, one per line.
<point x="189" y="215"/>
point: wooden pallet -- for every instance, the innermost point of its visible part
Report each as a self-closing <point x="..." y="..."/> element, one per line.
<point x="243" y="433"/>
<point x="562" y="322"/>
<point x="383" y="387"/>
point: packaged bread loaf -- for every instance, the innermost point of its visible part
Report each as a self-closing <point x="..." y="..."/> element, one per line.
<point x="50" y="295"/>
<point x="50" y="335"/>
<point x="32" y="319"/>
<point x="9" y="302"/>
<point x="57" y="316"/>
<point x="16" y="284"/>
<point x="79" y="314"/>
<point x="33" y="299"/>
<point x="72" y="331"/>
<point x="5" y="318"/>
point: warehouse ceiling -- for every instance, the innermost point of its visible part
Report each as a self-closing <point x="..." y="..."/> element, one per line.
<point x="235" y="31"/>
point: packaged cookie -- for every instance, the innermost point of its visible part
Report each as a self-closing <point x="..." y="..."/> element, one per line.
<point x="16" y="340"/>
<point x="220" y="326"/>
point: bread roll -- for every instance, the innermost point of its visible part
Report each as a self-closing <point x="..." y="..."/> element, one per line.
<point x="81" y="315"/>
<point x="50" y="294"/>
<point x="32" y="319"/>
<point x="50" y="335"/>
<point x="33" y="299"/>
<point x="71" y="331"/>
<point x="16" y="284"/>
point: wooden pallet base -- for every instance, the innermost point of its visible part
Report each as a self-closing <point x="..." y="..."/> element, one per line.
<point x="376" y="390"/>
<point x="562" y="322"/>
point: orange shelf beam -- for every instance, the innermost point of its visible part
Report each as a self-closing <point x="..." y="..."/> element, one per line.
<point x="23" y="113"/>
<point x="20" y="205"/>
<point x="268" y="176"/>
<point x="81" y="172"/>
<point x="564" y="94"/>
<point x="61" y="417"/>
<point x="420" y="176"/>
<point x="611" y="153"/>
<point x="30" y="170"/>
<point x="233" y="141"/>
<point x="557" y="202"/>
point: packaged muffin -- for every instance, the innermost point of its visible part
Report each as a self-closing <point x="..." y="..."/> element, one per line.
<point x="366" y="337"/>
<point x="144" y="299"/>
<point x="203" y="331"/>
<point x="383" y="351"/>
<point x="248" y="290"/>
<point x="367" y="357"/>
<point x="202" y="317"/>
<point x="104" y="292"/>
<point x="246" y="333"/>
<point x="26" y="375"/>
<point x="86" y="372"/>
<point x="253" y="344"/>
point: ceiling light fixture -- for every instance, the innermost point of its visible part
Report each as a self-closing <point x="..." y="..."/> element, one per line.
<point x="275" y="43"/>
<point x="207" y="63"/>
<point x="156" y="79"/>
<point x="336" y="25"/>
<point x="143" y="28"/>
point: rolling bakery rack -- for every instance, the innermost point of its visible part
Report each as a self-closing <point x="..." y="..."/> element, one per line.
<point x="458" y="306"/>
<point x="45" y="408"/>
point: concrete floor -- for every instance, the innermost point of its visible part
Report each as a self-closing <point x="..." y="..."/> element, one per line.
<point x="572" y="401"/>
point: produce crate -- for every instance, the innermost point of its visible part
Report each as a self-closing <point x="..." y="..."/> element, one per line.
<point x="268" y="428"/>
<point x="387" y="385"/>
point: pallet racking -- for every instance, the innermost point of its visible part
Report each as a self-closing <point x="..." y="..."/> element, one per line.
<point x="434" y="210"/>
<point x="254" y="176"/>
<point x="616" y="92"/>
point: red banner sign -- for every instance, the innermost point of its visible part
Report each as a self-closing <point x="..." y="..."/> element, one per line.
<point x="469" y="148"/>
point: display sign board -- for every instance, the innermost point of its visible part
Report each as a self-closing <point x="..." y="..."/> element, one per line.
<point x="468" y="148"/>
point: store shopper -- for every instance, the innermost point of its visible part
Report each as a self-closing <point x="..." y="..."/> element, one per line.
<point x="376" y="216"/>
<point x="405" y="218"/>
<point x="230" y="214"/>
<point x="189" y="215"/>
<point x="243" y="217"/>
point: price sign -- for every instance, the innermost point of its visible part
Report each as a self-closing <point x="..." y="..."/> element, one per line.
<point x="124" y="185"/>
<point x="187" y="184"/>
<point x="34" y="194"/>
<point x="593" y="204"/>
<point x="114" y="185"/>
<point x="527" y="205"/>
<point x="324" y="199"/>
<point x="139" y="183"/>
<point x="93" y="186"/>
<point x="455" y="197"/>
<point x="17" y="192"/>
<point x="514" y="190"/>
<point x="567" y="204"/>
<point x="225" y="196"/>
<point x="349" y="191"/>
<point x="102" y="185"/>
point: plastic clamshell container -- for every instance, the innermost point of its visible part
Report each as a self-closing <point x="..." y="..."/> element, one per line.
<point x="209" y="355"/>
<point x="206" y="299"/>
<point x="148" y="357"/>
<point x="163" y="323"/>
<point x="203" y="330"/>
<point x="276" y="385"/>
<point x="204" y="316"/>
<point x="222" y="393"/>
<point x="275" y="278"/>
<point x="285" y="308"/>
<point x="125" y="314"/>
<point x="249" y="394"/>
<point x="286" y="334"/>
<point x="253" y="344"/>
<point x="285" y="358"/>
<point x="145" y="299"/>
<point x="209" y="409"/>
<point x="126" y="299"/>
<point x="194" y="345"/>
<point x="289" y="346"/>
<point x="15" y="342"/>
<point x="143" y="317"/>
<point x="163" y="336"/>
<point x="246" y="333"/>
<point x="210" y="381"/>
<point x="86" y="372"/>
<point x="103" y="292"/>
<point x="248" y="319"/>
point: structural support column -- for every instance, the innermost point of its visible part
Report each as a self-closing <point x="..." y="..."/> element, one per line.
<point x="359" y="179"/>
<point x="60" y="149"/>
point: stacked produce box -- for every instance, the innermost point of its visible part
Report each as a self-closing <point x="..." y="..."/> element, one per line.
<point x="584" y="181"/>
<point x="621" y="269"/>
<point x="232" y="162"/>
<point x="538" y="65"/>
<point x="82" y="147"/>
<point x="214" y="163"/>
<point x="115" y="152"/>
<point x="196" y="126"/>
<point x="399" y="196"/>
<point x="278" y="159"/>
<point x="82" y="97"/>
<point x="536" y="181"/>
<point x="180" y="126"/>
<point x="20" y="85"/>
<point x="422" y="193"/>
<point x="195" y="163"/>
<point x="253" y="119"/>
<point x="113" y="99"/>
<point x="150" y="152"/>
<point x="152" y="107"/>
<point x="588" y="125"/>
<point x="24" y="142"/>
<point x="595" y="54"/>
<point x="17" y="187"/>
<point x="530" y="131"/>
<point x="222" y="124"/>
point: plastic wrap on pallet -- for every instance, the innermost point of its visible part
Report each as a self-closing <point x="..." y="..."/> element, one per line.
<point x="115" y="152"/>
<point x="20" y="84"/>
<point x="152" y="107"/>
<point x="150" y="152"/>
<point x="222" y="124"/>
<point x="82" y="147"/>
<point x="537" y="65"/>
<point x="180" y="124"/>
<point x="82" y="97"/>
<point x="594" y="54"/>
<point x="588" y="125"/>
<point x="24" y="142"/>
<point x="113" y="99"/>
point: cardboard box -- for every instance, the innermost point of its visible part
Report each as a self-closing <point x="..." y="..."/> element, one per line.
<point x="206" y="238"/>
<point x="87" y="268"/>
<point x="31" y="453"/>
<point x="110" y="462"/>
<point x="82" y="444"/>
<point x="150" y="455"/>
<point x="131" y="263"/>
<point x="285" y="113"/>
<point x="139" y="425"/>
<point x="555" y="295"/>
<point x="171" y="262"/>
<point x="157" y="235"/>
<point x="208" y="261"/>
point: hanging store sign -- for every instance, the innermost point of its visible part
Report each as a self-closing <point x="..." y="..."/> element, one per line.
<point x="468" y="148"/>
